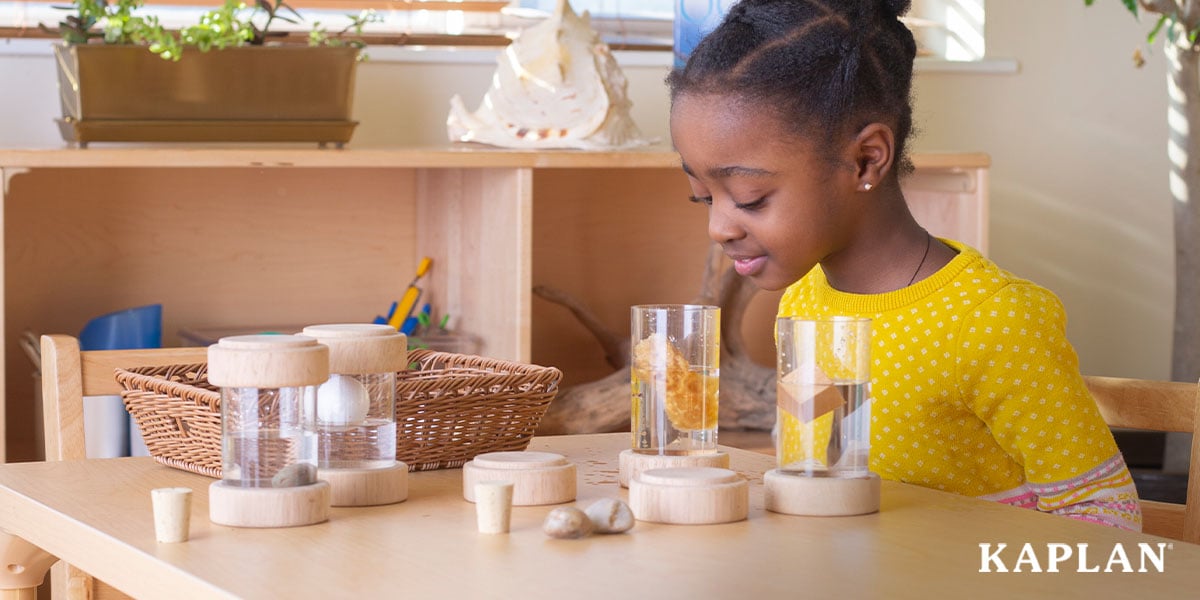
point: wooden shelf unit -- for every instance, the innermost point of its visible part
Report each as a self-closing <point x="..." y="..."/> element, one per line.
<point x="252" y="236"/>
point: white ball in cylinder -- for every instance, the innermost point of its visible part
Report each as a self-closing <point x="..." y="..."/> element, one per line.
<point x="342" y="400"/>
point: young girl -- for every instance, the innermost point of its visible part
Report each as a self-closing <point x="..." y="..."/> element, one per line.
<point x="792" y="120"/>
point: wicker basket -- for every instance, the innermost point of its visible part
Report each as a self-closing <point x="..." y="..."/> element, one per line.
<point x="449" y="408"/>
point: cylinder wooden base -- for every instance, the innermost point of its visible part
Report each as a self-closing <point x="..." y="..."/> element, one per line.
<point x="538" y="477"/>
<point x="631" y="463"/>
<point x="689" y="496"/>
<point x="821" y="496"/>
<point x="268" y="507"/>
<point x="367" y="487"/>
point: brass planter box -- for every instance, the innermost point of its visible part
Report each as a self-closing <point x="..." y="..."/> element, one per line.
<point x="114" y="93"/>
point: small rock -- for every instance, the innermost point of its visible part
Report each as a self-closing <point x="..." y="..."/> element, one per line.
<point x="295" y="474"/>
<point x="610" y="515"/>
<point x="567" y="522"/>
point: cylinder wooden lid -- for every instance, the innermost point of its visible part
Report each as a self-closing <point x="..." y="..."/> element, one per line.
<point x="689" y="476"/>
<point x="689" y="496"/>
<point x="519" y="460"/>
<point x="267" y="361"/>
<point x="631" y="463"/>
<point x="538" y="477"/>
<point x="362" y="348"/>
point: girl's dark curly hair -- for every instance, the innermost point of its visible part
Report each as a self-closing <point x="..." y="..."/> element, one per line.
<point x="830" y="66"/>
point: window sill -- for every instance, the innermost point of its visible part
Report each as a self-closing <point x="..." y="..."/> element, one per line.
<point x="487" y="55"/>
<point x="987" y="66"/>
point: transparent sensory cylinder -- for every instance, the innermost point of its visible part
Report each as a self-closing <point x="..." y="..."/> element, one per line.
<point x="267" y="439"/>
<point x="356" y="408"/>
<point x="267" y="383"/>
<point x="675" y="378"/>
<point x="824" y="404"/>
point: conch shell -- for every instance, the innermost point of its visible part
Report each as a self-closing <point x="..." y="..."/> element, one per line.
<point x="557" y="85"/>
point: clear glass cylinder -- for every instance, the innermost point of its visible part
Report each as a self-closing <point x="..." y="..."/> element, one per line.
<point x="267" y="440"/>
<point x="675" y="378"/>
<point x="824" y="407"/>
<point x="356" y="421"/>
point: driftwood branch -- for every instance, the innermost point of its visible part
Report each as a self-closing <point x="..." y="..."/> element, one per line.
<point x="747" y="388"/>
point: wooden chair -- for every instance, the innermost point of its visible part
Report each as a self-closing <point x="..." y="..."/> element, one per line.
<point x="67" y="376"/>
<point x="1158" y="406"/>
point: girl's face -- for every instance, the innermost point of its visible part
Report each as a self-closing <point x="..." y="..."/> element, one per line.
<point x="777" y="206"/>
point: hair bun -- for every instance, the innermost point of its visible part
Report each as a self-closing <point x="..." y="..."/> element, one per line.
<point x="897" y="8"/>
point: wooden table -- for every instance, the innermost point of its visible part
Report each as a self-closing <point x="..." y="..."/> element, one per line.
<point x="96" y="514"/>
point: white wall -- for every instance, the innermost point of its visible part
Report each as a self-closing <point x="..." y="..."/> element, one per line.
<point x="1079" y="192"/>
<point x="1077" y="138"/>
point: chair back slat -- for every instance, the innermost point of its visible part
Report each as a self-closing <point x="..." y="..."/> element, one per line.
<point x="1158" y="406"/>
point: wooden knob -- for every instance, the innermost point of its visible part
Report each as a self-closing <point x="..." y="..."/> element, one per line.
<point x="362" y="348"/>
<point x="267" y="361"/>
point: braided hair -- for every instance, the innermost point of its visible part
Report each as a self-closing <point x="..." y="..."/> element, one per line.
<point x="821" y="65"/>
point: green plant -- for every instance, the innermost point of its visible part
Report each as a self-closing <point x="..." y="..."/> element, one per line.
<point x="233" y="24"/>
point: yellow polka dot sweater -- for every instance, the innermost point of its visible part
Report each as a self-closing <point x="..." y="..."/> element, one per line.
<point x="976" y="390"/>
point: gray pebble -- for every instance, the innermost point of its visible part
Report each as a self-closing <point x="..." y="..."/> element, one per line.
<point x="295" y="474"/>
<point x="567" y="522"/>
<point x="610" y="515"/>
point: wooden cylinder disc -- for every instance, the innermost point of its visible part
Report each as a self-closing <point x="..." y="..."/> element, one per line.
<point x="362" y="348"/>
<point x="267" y="361"/>
<point x="821" y="496"/>
<point x="268" y="507"/>
<point x="631" y="463"/>
<point x="538" y="477"/>
<point x="367" y="487"/>
<point x="689" y="496"/>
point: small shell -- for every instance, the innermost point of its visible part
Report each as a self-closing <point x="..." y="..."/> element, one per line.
<point x="610" y="515"/>
<point x="567" y="522"/>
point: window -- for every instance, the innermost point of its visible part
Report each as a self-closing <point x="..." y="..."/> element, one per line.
<point x="946" y="29"/>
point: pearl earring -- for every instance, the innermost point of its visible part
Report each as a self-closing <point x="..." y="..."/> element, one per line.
<point x="867" y="186"/>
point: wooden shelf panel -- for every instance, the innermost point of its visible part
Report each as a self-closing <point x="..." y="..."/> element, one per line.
<point x="227" y="236"/>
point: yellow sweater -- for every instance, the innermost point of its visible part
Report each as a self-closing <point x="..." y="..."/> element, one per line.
<point x="976" y="390"/>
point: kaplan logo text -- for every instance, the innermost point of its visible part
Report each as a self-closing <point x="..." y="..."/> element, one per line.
<point x="1055" y="557"/>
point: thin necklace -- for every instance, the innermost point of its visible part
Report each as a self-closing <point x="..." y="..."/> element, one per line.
<point x="928" y="242"/>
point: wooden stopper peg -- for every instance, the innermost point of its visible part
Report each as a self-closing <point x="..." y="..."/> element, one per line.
<point x="538" y="477"/>
<point x="689" y="496"/>
<point x="362" y="348"/>
<point x="172" y="513"/>
<point x="493" y="505"/>
<point x="631" y="463"/>
<point x="267" y="361"/>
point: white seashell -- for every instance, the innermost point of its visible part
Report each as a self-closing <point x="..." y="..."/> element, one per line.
<point x="567" y="522"/>
<point x="610" y="515"/>
<point x="556" y="85"/>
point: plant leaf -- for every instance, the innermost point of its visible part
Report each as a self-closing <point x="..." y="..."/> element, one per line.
<point x="1157" y="26"/>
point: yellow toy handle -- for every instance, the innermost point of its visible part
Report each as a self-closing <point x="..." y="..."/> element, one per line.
<point x="407" y="302"/>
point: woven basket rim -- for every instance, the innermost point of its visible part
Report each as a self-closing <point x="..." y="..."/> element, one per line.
<point x="450" y="408"/>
